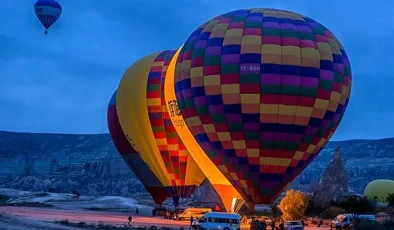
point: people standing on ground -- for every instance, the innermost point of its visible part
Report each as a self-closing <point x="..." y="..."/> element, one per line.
<point x="273" y="224"/>
<point x="136" y="211"/>
<point x="191" y="221"/>
<point x="130" y="219"/>
<point x="281" y="225"/>
<point x="303" y="223"/>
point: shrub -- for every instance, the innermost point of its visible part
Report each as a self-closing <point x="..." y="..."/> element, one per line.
<point x="390" y="200"/>
<point x="65" y="222"/>
<point x="358" y="205"/>
<point x="368" y="225"/>
<point x="332" y="212"/>
<point x="315" y="208"/>
<point x="388" y="224"/>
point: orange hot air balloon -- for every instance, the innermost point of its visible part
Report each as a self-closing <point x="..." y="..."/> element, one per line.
<point x="132" y="159"/>
<point x="145" y="122"/>
<point x="262" y="91"/>
<point x="231" y="199"/>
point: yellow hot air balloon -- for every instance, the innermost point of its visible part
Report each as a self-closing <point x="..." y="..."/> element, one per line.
<point x="231" y="199"/>
<point x="144" y="123"/>
<point x="379" y="189"/>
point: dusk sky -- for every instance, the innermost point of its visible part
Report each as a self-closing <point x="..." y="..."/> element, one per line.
<point x="62" y="82"/>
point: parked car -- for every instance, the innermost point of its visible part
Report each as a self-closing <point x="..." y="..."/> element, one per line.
<point x="293" y="225"/>
<point x="345" y="221"/>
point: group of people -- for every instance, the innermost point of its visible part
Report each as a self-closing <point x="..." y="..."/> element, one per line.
<point x="169" y="215"/>
<point x="264" y="225"/>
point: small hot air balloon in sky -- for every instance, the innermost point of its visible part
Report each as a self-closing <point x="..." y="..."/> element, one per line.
<point x="230" y="198"/>
<point x="379" y="189"/>
<point x="142" y="115"/>
<point x="132" y="159"/>
<point x="48" y="12"/>
<point x="262" y="91"/>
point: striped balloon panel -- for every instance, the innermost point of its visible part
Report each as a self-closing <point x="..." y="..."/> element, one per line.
<point x="131" y="157"/>
<point x="262" y="91"/>
<point x="172" y="150"/>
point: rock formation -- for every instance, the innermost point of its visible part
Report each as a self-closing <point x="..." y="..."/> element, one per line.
<point x="334" y="182"/>
<point x="91" y="164"/>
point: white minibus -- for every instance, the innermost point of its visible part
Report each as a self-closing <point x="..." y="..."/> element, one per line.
<point x="218" y="220"/>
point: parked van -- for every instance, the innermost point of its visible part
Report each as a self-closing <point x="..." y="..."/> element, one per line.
<point x="344" y="221"/>
<point x="218" y="220"/>
<point x="194" y="212"/>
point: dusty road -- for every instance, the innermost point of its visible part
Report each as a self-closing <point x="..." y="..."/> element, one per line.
<point x="94" y="217"/>
<point x="117" y="219"/>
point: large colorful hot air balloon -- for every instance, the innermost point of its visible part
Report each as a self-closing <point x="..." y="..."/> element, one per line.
<point x="48" y="12"/>
<point x="262" y="91"/>
<point x="230" y="197"/>
<point x="132" y="159"/>
<point x="379" y="189"/>
<point x="144" y="121"/>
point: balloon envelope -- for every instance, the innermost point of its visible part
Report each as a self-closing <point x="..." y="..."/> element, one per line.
<point x="132" y="159"/>
<point x="227" y="193"/>
<point x="142" y="118"/>
<point x="262" y="91"/>
<point x="47" y="11"/>
<point x="379" y="189"/>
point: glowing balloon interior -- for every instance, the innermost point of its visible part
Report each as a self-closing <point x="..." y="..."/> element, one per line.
<point x="262" y="91"/>
<point x="48" y="12"/>
<point x="230" y="197"/>
<point x="132" y="159"/>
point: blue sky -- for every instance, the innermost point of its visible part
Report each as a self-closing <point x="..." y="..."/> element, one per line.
<point x="62" y="82"/>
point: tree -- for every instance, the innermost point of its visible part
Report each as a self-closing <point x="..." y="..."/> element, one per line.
<point x="332" y="212"/>
<point x="275" y="211"/>
<point x="390" y="211"/>
<point x="316" y="207"/>
<point x="293" y="205"/>
<point x="390" y="200"/>
<point x="358" y="205"/>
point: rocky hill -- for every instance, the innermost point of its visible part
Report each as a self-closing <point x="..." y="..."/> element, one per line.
<point x="91" y="164"/>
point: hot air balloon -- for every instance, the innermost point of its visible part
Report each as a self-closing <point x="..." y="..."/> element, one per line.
<point x="262" y="91"/>
<point x="231" y="199"/>
<point x="48" y="12"/>
<point x="132" y="159"/>
<point x="143" y="119"/>
<point x="379" y="189"/>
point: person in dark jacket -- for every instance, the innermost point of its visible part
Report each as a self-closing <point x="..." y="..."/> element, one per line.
<point x="136" y="211"/>
<point x="191" y="221"/>
<point x="130" y="219"/>
<point x="281" y="225"/>
<point x="273" y="225"/>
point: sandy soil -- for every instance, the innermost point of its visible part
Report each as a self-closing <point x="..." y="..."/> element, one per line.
<point x="94" y="217"/>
